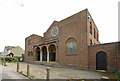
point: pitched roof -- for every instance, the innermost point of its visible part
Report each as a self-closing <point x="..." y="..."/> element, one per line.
<point x="9" y="47"/>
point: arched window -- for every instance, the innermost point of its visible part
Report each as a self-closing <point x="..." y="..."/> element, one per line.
<point x="71" y="46"/>
<point x="90" y="27"/>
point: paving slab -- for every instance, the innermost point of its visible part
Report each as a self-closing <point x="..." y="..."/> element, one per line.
<point x="39" y="71"/>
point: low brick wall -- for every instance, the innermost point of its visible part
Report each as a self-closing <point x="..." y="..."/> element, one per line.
<point x="109" y="49"/>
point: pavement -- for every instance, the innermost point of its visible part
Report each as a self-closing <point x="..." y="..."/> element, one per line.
<point x="39" y="71"/>
<point x="9" y="73"/>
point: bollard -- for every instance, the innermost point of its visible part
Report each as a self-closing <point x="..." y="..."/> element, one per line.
<point x="5" y="64"/>
<point x="2" y="63"/>
<point x="18" y="67"/>
<point x="28" y="70"/>
<point x="48" y="73"/>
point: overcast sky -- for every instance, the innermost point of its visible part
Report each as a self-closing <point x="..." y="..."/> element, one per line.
<point x="21" y="18"/>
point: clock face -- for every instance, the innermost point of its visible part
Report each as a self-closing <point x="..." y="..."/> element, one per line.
<point x="54" y="31"/>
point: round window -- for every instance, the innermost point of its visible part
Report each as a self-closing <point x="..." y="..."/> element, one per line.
<point x="54" y="31"/>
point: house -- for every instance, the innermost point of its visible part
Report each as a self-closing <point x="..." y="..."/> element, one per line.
<point x="7" y="50"/>
<point x="13" y="51"/>
<point x="17" y="51"/>
<point x="0" y="53"/>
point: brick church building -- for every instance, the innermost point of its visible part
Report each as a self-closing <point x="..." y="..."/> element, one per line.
<point x="73" y="41"/>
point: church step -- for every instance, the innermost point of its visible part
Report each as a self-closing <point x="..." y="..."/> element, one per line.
<point x="50" y="64"/>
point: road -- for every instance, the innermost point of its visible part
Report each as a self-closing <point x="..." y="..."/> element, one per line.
<point x="8" y="73"/>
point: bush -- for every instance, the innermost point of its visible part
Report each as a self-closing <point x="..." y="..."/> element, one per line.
<point x="32" y="76"/>
<point x="3" y="59"/>
<point x="19" y="58"/>
<point x="116" y="74"/>
<point x="21" y="72"/>
<point x="11" y="59"/>
<point x="8" y="58"/>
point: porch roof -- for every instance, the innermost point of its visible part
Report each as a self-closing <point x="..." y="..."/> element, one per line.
<point x="47" y="42"/>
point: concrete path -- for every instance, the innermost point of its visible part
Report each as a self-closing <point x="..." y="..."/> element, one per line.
<point x="39" y="71"/>
<point x="8" y="73"/>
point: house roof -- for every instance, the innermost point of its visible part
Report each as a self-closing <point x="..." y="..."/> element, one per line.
<point x="9" y="47"/>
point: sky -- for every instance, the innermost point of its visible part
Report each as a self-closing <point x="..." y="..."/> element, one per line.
<point x="21" y="18"/>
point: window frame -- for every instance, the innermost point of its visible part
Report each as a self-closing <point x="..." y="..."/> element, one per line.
<point x="94" y="33"/>
<point x="91" y="28"/>
<point x="67" y="51"/>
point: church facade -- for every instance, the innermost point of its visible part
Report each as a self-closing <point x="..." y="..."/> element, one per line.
<point x="73" y="41"/>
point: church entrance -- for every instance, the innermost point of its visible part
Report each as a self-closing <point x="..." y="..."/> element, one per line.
<point x="52" y="52"/>
<point x="38" y="53"/>
<point x="44" y="53"/>
<point x="101" y="61"/>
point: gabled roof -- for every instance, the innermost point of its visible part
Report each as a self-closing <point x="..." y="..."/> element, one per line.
<point x="54" y="22"/>
<point x="85" y="10"/>
<point x="33" y="35"/>
<point x="9" y="47"/>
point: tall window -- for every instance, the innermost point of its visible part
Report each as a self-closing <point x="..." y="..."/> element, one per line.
<point x="90" y="27"/>
<point x="71" y="46"/>
<point x="94" y="33"/>
<point x="97" y="36"/>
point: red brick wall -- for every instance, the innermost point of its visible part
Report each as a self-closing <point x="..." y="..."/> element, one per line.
<point x="119" y="65"/>
<point x="29" y="47"/>
<point x="76" y="27"/>
<point x="119" y="57"/>
<point x="110" y="49"/>
<point x="47" y="34"/>
<point x="91" y="36"/>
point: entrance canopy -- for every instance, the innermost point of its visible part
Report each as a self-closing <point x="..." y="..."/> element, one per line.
<point x="47" y="42"/>
<point x="47" y="50"/>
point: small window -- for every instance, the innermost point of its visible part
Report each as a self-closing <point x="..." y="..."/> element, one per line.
<point x="29" y="42"/>
<point x="30" y="53"/>
<point x="90" y="27"/>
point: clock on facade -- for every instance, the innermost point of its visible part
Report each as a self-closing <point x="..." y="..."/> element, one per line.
<point x="54" y="31"/>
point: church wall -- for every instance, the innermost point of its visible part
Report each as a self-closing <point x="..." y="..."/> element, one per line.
<point x="76" y="27"/>
<point x="110" y="49"/>
<point x="94" y="36"/>
<point x="48" y="35"/>
<point x="118" y="61"/>
<point x="119" y="65"/>
<point x="35" y="39"/>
